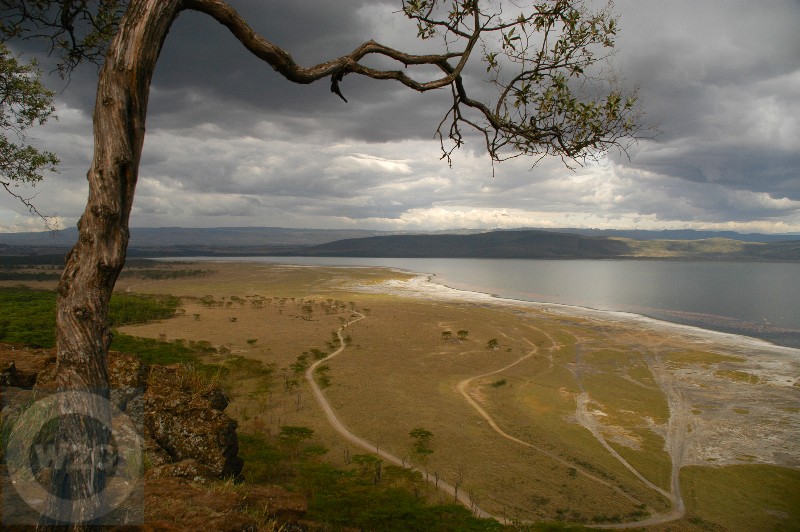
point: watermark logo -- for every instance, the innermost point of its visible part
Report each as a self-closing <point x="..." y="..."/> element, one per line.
<point x="34" y="455"/>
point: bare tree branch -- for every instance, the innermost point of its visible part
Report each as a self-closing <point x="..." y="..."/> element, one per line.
<point x="536" y="111"/>
<point x="28" y="203"/>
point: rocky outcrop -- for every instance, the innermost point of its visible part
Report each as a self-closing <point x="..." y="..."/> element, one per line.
<point x="189" y="442"/>
<point x="187" y="422"/>
<point x="180" y="417"/>
<point x="20" y="366"/>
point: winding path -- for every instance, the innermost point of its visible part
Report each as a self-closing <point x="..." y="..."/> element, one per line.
<point x="342" y="429"/>
<point x="675" y="438"/>
<point x="462" y="388"/>
<point x="675" y="442"/>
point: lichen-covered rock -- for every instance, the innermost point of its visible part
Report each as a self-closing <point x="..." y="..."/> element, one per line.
<point x="216" y="398"/>
<point x="189" y="469"/>
<point x="19" y="366"/>
<point x="19" y="369"/>
<point x="189" y="442"/>
<point x="180" y="418"/>
<point x="127" y="381"/>
<point x="186" y="424"/>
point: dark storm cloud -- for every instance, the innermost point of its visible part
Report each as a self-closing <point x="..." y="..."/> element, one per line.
<point x="230" y="86"/>
<point x="230" y="142"/>
<point x="718" y="79"/>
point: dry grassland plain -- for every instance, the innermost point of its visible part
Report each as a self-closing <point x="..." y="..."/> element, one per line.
<point x="570" y="416"/>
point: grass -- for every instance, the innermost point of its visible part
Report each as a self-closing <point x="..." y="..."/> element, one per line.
<point x="27" y="316"/>
<point x="153" y="351"/>
<point x="743" y="497"/>
<point x="642" y="374"/>
<point x="348" y="497"/>
<point x="738" y="376"/>
<point x="623" y="398"/>
<point x="650" y="459"/>
<point x="397" y="368"/>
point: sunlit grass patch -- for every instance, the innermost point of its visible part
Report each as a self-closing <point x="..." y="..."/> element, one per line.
<point x="743" y="497"/>
<point x="738" y="376"/>
<point x="651" y="460"/>
<point x="620" y="395"/>
<point x="642" y="374"/>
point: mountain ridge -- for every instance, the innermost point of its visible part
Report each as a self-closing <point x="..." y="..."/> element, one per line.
<point x="514" y="243"/>
<point x="550" y="245"/>
<point x="146" y="236"/>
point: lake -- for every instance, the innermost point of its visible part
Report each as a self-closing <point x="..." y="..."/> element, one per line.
<point x="759" y="299"/>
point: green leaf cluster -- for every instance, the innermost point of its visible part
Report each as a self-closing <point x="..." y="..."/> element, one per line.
<point x="24" y="103"/>
<point x="76" y="30"/>
<point x="554" y="96"/>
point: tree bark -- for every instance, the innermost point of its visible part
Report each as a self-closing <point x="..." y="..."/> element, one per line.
<point x="93" y="265"/>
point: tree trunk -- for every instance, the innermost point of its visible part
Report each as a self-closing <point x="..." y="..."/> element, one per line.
<point x="92" y="267"/>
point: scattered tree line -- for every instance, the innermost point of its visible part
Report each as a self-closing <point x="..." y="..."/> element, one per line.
<point x="366" y="494"/>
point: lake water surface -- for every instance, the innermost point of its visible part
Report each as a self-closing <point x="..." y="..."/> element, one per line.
<point x="759" y="299"/>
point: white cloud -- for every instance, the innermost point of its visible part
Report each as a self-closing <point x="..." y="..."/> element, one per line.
<point x="230" y="143"/>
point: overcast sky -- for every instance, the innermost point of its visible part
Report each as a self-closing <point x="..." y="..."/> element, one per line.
<point x="231" y="143"/>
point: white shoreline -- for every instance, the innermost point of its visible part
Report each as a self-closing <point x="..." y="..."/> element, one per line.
<point x="425" y="287"/>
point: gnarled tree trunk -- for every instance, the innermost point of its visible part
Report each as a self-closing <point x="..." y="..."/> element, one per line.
<point x="92" y="267"/>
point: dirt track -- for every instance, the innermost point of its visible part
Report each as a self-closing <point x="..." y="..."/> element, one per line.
<point x="341" y="428"/>
<point x="675" y="440"/>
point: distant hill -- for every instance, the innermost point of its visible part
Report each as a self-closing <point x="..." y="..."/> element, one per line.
<point x="153" y="237"/>
<point x="535" y="244"/>
<point x="496" y="244"/>
<point x="716" y="249"/>
<point x="518" y="243"/>
<point x="680" y="234"/>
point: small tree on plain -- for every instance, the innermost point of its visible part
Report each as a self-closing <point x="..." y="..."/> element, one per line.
<point x="292" y="436"/>
<point x="422" y="439"/>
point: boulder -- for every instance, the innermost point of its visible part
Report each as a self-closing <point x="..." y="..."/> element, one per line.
<point x="19" y="366"/>
<point x="180" y="417"/>
<point x="188" y="439"/>
<point x="184" y="422"/>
